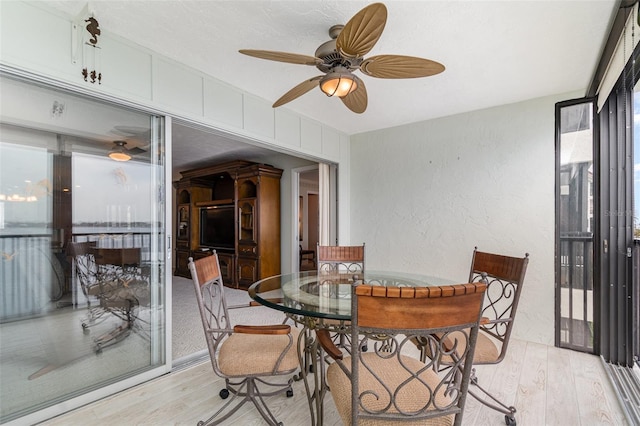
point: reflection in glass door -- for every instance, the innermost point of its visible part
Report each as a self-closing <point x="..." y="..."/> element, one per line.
<point x="82" y="237"/>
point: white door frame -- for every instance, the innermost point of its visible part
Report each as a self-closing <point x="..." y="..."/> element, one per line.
<point x="295" y="193"/>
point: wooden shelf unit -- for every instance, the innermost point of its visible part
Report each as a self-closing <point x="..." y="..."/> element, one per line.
<point x="254" y="192"/>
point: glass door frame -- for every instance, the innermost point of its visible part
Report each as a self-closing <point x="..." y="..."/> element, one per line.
<point x="166" y="196"/>
<point x="589" y="266"/>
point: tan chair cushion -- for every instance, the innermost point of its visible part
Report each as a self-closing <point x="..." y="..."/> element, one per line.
<point x="254" y="354"/>
<point x="119" y="299"/>
<point x="101" y="287"/>
<point x="486" y="350"/>
<point x="93" y="290"/>
<point x="410" y="398"/>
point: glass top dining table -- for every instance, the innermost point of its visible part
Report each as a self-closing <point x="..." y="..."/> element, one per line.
<point x="323" y="300"/>
<point x="328" y="296"/>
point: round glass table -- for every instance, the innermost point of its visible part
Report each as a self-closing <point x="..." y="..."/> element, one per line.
<point x="327" y="296"/>
<point x="324" y="301"/>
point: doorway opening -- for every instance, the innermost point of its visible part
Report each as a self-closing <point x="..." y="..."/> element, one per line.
<point x="308" y="230"/>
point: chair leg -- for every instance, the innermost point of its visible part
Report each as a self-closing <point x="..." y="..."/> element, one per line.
<point x="121" y="331"/>
<point x="247" y="390"/>
<point x="111" y="338"/>
<point x="508" y="411"/>
<point x="261" y="406"/>
<point x="95" y="316"/>
<point x="237" y="392"/>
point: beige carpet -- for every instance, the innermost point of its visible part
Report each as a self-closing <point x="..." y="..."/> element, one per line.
<point x="188" y="337"/>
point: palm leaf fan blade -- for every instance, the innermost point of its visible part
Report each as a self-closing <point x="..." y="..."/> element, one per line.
<point x="399" y="66"/>
<point x="298" y="91"/>
<point x="357" y="100"/>
<point x="292" y="58"/>
<point x="362" y="31"/>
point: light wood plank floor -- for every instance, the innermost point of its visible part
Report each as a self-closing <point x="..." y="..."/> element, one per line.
<point x="548" y="386"/>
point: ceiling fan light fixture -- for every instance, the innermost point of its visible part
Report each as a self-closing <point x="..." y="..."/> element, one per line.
<point x="338" y="84"/>
<point x="119" y="156"/>
<point x="118" y="152"/>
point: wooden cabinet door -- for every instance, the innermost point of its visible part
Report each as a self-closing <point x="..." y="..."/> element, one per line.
<point x="227" y="268"/>
<point x="247" y="272"/>
<point x="182" y="263"/>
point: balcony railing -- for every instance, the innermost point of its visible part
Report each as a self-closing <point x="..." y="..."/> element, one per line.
<point x="34" y="273"/>
<point x="576" y="291"/>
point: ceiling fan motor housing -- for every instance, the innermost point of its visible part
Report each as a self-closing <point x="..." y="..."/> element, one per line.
<point x="330" y="56"/>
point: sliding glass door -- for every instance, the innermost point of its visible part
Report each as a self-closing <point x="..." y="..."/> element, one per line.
<point x="83" y="243"/>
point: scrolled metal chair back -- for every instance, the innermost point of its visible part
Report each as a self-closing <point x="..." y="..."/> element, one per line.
<point x="209" y="288"/>
<point x="334" y="260"/>
<point x="386" y="382"/>
<point x="504" y="276"/>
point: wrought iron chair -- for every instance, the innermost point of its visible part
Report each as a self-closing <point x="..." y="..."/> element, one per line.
<point x="389" y="386"/>
<point x="244" y="355"/>
<point x="85" y="270"/>
<point x="308" y="255"/>
<point x="112" y="278"/>
<point x="504" y="276"/>
<point x="340" y="260"/>
<point x="336" y="265"/>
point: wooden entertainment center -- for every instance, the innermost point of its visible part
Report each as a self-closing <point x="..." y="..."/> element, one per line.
<point x="233" y="208"/>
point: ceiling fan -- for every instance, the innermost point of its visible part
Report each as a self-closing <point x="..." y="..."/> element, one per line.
<point x="119" y="151"/>
<point x="339" y="57"/>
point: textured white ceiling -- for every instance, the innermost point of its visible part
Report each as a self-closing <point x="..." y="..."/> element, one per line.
<point x="495" y="52"/>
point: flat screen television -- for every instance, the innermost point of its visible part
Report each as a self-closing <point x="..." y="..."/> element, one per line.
<point x="217" y="227"/>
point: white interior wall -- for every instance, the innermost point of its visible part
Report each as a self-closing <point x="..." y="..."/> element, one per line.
<point x="424" y="195"/>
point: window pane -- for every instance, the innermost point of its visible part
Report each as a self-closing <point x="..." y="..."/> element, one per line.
<point x="576" y="226"/>
<point x="82" y="243"/>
